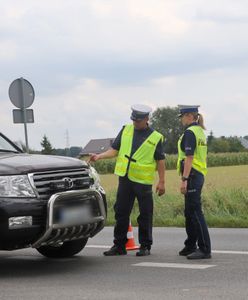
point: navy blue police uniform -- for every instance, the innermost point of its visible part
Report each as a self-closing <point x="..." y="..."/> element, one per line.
<point x="129" y="190"/>
<point x="196" y="228"/>
<point x="195" y="224"/>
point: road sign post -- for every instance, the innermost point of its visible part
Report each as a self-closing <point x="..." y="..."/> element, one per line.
<point x="21" y="94"/>
<point x="24" y="113"/>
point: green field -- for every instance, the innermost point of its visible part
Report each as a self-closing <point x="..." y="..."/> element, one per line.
<point x="224" y="197"/>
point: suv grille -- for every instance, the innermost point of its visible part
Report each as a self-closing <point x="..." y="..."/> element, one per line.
<point x="48" y="183"/>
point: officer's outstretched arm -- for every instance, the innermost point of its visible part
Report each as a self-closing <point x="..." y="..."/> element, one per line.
<point x="107" y="154"/>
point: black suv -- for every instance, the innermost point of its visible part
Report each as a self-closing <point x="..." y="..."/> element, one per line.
<point x="51" y="203"/>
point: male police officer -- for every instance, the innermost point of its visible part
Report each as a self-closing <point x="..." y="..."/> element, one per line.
<point x="139" y="154"/>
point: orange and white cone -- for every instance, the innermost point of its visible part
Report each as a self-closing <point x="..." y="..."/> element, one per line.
<point x="130" y="245"/>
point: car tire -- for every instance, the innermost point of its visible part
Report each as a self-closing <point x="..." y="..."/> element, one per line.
<point x="63" y="250"/>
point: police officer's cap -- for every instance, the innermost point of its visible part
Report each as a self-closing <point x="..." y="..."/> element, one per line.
<point x="140" y="111"/>
<point x="183" y="109"/>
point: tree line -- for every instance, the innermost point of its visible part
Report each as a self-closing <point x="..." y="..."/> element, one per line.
<point x="166" y="121"/>
<point x="47" y="148"/>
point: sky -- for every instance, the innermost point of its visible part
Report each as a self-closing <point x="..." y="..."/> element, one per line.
<point x="89" y="61"/>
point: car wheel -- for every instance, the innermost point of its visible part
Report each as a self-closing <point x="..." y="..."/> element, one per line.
<point x="66" y="249"/>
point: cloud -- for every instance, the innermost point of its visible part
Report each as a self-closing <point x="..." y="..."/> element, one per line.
<point x="90" y="60"/>
<point x="7" y="51"/>
<point x="163" y="15"/>
<point x="223" y="11"/>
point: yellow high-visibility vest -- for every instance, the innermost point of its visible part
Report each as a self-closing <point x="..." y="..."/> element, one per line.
<point x="142" y="165"/>
<point x="200" y="155"/>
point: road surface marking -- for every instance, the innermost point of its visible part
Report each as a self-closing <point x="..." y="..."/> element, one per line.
<point x="98" y="246"/>
<point x="230" y="252"/>
<point x="173" y="265"/>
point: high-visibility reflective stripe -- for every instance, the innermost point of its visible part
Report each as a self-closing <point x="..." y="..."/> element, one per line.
<point x="143" y="169"/>
<point x="142" y="179"/>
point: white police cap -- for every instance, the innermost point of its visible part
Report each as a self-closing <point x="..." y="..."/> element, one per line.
<point x="140" y="111"/>
<point x="183" y="109"/>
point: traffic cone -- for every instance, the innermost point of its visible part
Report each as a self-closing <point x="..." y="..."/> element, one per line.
<point x="130" y="245"/>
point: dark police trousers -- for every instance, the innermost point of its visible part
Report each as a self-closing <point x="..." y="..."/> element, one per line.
<point x="196" y="226"/>
<point x="126" y="194"/>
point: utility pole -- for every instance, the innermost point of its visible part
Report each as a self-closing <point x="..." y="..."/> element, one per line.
<point x="67" y="143"/>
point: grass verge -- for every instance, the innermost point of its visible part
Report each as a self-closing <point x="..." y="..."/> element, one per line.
<point x="224" y="199"/>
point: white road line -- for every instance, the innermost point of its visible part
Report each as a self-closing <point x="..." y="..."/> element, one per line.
<point x="98" y="246"/>
<point x="230" y="252"/>
<point x="173" y="265"/>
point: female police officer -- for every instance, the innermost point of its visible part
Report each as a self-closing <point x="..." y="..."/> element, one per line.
<point x="192" y="155"/>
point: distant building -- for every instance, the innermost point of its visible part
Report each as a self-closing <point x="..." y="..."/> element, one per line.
<point x="97" y="146"/>
<point x="244" y="142"/>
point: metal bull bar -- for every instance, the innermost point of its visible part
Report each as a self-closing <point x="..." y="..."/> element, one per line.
<point x="60" y="232"/>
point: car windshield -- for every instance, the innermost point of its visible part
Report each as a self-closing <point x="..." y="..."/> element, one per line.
<point x="6" y="146"/>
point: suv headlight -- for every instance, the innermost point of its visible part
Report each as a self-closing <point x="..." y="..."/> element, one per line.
<point x="15" y="186"/>
<point x="94" y="175"/>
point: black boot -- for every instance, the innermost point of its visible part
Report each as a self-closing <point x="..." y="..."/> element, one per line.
<point x="186" y="251"/>
<point x="115" y="250"/>
<point x="198" y="254"/>
<point x="143" y="251"/>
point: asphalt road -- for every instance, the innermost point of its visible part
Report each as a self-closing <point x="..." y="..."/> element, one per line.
<point x="25" y="274"/>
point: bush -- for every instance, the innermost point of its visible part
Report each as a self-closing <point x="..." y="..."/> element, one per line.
<point x="107" y="166"/>
<point x="227" y="159"/>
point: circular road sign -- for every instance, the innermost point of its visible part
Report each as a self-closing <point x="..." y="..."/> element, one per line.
<point x="21" y="93"/>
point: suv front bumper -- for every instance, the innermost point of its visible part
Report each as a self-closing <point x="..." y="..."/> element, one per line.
<point x="45" y="230"/>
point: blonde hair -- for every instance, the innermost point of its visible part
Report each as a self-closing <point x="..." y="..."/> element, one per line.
<point x="199" y="119"/>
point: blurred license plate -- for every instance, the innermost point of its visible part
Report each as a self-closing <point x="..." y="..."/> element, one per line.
<point x="75" y="215"/>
